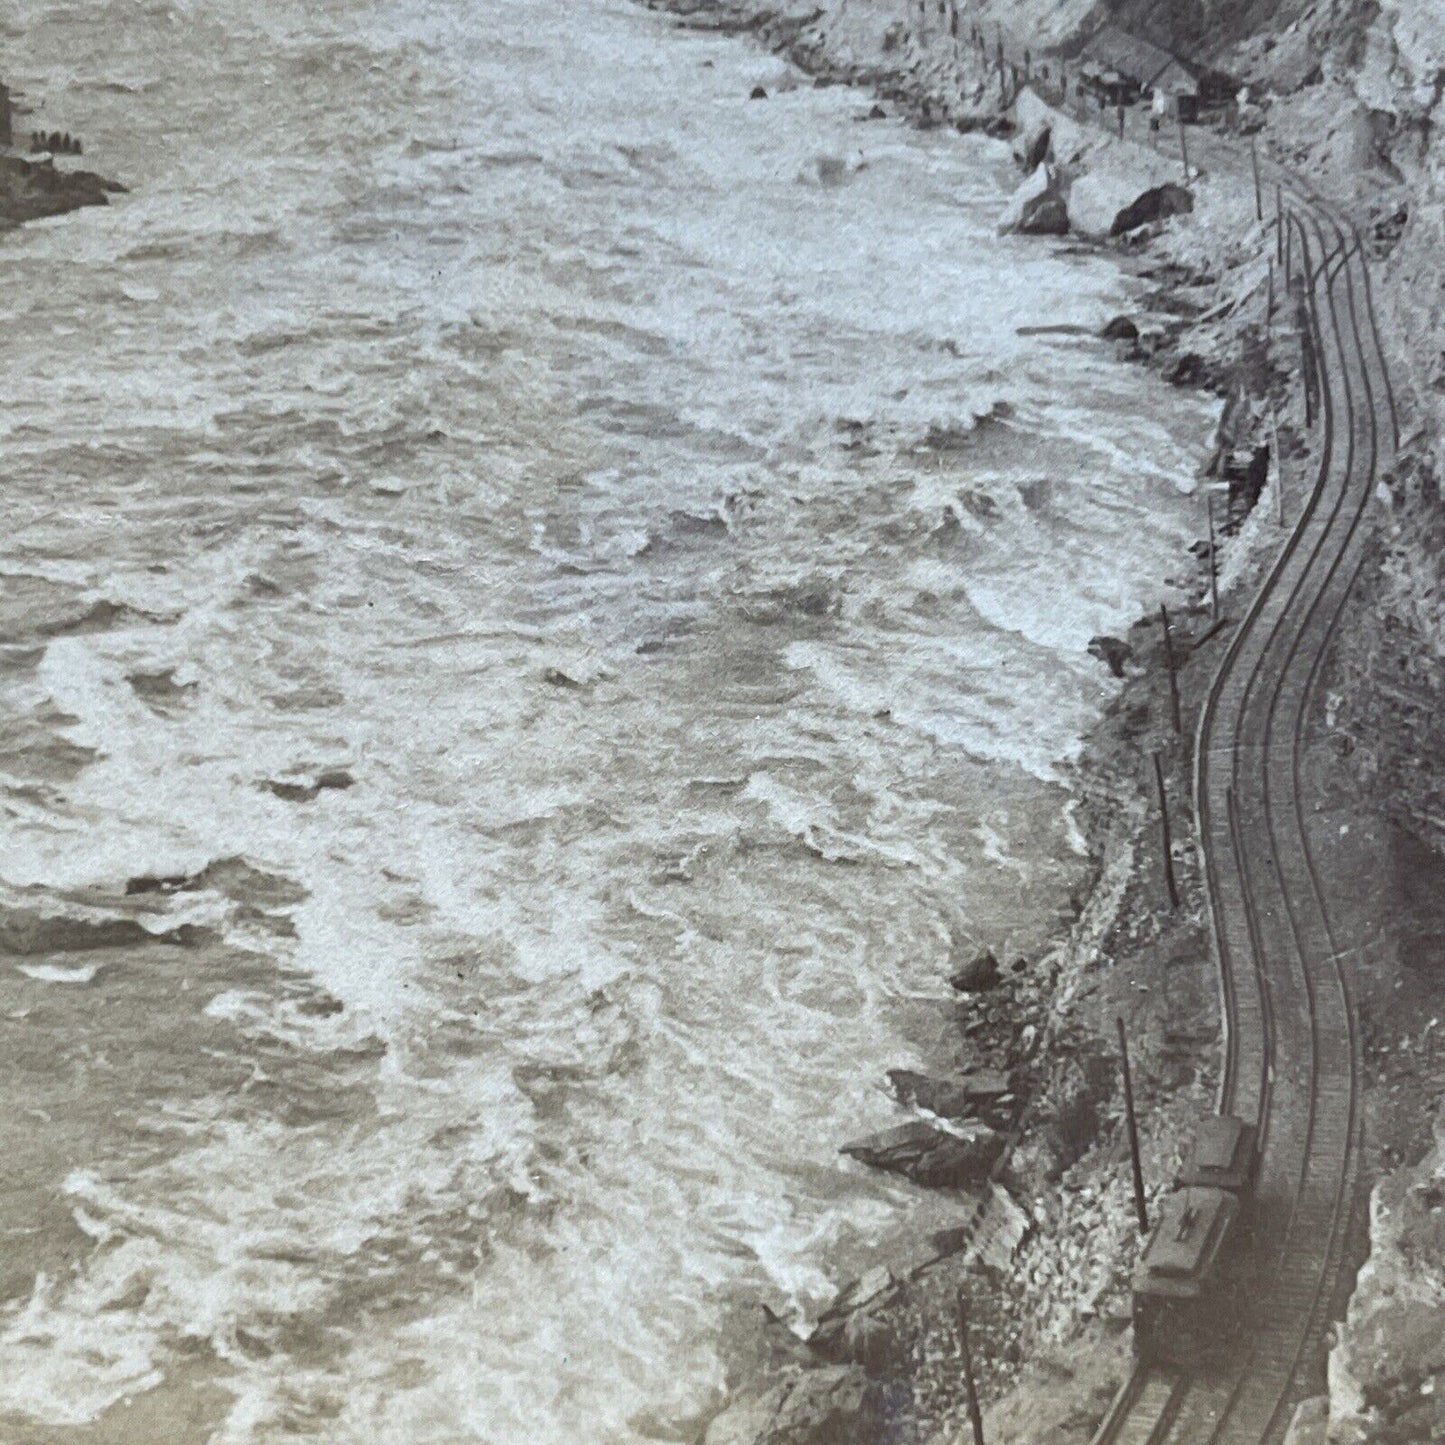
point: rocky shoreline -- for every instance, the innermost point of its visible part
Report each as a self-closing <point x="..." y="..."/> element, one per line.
<point x="1042" y="1271"/>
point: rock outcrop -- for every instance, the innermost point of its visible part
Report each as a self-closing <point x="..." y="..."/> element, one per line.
<point x="1038" y="207"/>
<point x="834" y="1405"/>
<point x="30" y="190"/>
<point x="1046" y="134"/>
<point x="979" y="973"/>
<point x="930" y="1155"/>
<point x="1114" y="652"/>
<point x="1387" y="1372"/>
<point x="1116" y="198"/>
<point x="963" y="1097"/>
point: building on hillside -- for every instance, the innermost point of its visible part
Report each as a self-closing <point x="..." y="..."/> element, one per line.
<point x="1121" y="67"/>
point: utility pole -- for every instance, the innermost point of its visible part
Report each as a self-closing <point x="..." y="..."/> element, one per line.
<point x="1278" y="224"/>
<point x="1173" y="669"/>
<point x="1307" y="356"/>
<point x="1254" y="162"/>
<point x="1278" y="469"/>
<point x="1184" y="148"/>
<point x="975" y="1415"/>
<point x="1141" y="1209"/>
<point x="1165" y="838"/>
<point x="1213" y="563"/>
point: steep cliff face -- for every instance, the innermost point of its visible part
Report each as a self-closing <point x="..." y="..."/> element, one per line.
<point x="1387" y="1373"/>
<point x="1360" y="110"/>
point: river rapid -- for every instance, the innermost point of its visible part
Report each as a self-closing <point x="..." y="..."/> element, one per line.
<point x="563" y="591"/>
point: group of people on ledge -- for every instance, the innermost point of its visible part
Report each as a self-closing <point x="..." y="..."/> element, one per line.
<point x="55" y="143"/>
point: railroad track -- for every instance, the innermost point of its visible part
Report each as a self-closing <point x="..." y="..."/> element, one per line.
<point x="1292" y="1050"/>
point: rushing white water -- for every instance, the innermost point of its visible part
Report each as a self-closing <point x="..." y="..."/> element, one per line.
<point x="490" y="403"/>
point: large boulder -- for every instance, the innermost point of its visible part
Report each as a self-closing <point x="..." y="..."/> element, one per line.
<point x="930" y="1155"/>
<point x="1044" y="133"/>
<point x="1111" y="650"/>
<point x="1037" y="208"/>
<point x="855" y="1329"/>
<point x="978" y="973"/>
<point x="957" y="1098"/>
<point x="834" y="1405"/>
<point x="1034" y="120"/>
<point x="1116" y="198"/>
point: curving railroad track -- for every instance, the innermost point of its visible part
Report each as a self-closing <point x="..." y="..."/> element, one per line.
<point x="1292" y="1050"/>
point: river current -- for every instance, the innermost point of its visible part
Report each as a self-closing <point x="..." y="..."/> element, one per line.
<point x="572" y="584"/>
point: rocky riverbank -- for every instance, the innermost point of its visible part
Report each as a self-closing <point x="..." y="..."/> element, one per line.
<point x="1043" y="1274"/>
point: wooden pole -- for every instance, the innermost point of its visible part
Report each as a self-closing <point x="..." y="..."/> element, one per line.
<point x="1254" y="163"/>
<point x="1278" y="225"/>
<point x="975" y="1415"/>
<point x="1307" y="346"/>
<point x="1213" y="567"/>
<point x="1141" y="1209"/>
<point x="1184" y="147"/>
<point x="1278" y="470"/>
<point x="1173" y="669"/>
<point x="1164" y="834"/>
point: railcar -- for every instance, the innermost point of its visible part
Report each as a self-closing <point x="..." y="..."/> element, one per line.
<point x="1181" y="1301"/>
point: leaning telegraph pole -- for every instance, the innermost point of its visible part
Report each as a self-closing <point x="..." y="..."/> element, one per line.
<point x="975" y="1415"/>
<point x="1173" y="667"/>
<point x="1141" y="1209"/>
<point x="1166" y="842"/>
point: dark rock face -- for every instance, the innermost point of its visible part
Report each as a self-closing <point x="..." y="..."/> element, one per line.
<point x="1038" y="207"/>
<point x="1118" y="197"/>
<point x="1111" y="650"/>
<point x="959" y="1098"/>
<point x="295" y="792"/>
<point x="1190" y="370"/>
<point x="931" y="1156"/>
<point x="855" y="1330"/>
<point x="30" y="190"/>
<point x="1155" y="204"/>
<point x="980" y="972"/>
<point x="1038" y="149"/>
<point x="835" y="1405"/>
<point x="1121" y="328"/>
